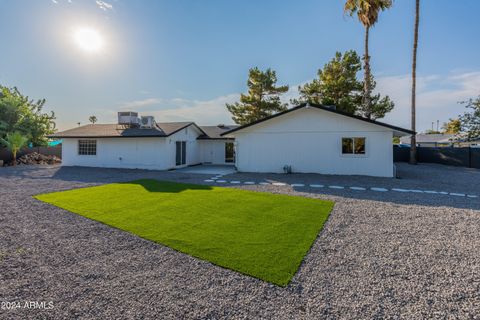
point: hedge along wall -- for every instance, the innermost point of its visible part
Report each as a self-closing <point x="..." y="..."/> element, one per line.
<point x="6" y="155"/>
<point x="463" y="157"/>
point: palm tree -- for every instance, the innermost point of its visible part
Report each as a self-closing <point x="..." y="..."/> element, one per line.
<point x="92" y="119"/>
<point x="367" y="12"/>
<point x="14" y="142"/>
<point x="413" y="141"/>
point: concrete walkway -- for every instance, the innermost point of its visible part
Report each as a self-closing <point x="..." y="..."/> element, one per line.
<point x="212" y="169"/>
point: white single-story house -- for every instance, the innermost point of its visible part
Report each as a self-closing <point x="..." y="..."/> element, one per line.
<point x="306" y="138"/>
<point x="316" y="139"/>
<point x="156" y="146"/>
<point x="431" y="140"/>
<point x="438" y="140"/>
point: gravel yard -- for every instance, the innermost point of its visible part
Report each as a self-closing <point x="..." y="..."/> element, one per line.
<point x="380" y="255"/>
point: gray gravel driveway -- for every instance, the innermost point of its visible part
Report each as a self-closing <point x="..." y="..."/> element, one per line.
<point x="381" y="254"/>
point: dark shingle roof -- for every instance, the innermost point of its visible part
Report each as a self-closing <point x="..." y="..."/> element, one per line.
<point x="215" y="132"/>
<point x="119" y="131"/>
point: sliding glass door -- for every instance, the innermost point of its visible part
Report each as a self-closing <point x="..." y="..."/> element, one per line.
<point x="229" y="152"/>
<point x="180" y="153"/>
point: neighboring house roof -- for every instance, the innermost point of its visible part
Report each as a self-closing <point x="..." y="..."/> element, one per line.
<point x="430" y="138"/>
<point x="123" y="131"/>
<point x="215" y="132"/>
<point x="329" y="109"/>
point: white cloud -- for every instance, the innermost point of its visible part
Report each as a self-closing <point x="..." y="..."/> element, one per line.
<point x="204" y="112"/>
<point x="140" y="104"/>
<point x="104" y="5"/>
<point x="438" y="97"/>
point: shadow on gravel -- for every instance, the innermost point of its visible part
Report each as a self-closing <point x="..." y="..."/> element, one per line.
<point x="425" y="177"/>
<point x="402" y="198"/>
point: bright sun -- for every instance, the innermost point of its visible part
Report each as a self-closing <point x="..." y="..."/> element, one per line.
<point x="88" y="40"/>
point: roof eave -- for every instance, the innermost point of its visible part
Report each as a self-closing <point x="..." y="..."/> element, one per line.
<point x="98" y="137"/>
<point x="396" y="129"/>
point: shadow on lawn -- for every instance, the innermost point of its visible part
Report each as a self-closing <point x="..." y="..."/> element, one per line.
<point x="152" y="185"/>
<point x="424" y="177"/>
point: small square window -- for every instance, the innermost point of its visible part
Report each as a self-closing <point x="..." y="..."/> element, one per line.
<point x="87" y="147"/>
<point x="353" y="145"/>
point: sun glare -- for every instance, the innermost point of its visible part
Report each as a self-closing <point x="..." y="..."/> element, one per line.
<point x="89" y="40"/>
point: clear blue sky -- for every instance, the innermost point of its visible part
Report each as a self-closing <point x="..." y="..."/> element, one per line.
<point x="183" y="59"/>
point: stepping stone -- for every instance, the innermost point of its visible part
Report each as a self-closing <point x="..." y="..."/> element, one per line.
<point x="317" y="185"/>
<point x="235" y="182"/>
<point x="472" y="196"/>
<point x="279" y="184"/>
<point x="264" y="183"/>
<point x="443" y="192"/>
<point x="378" y="189"/>
<point x="209" y="180"/>
<point x="214" y="178"/>
<point x="297" y="185"/>
<point x="249" y="182"/>
<point x="431" y="191"/>
<point x="358" y="188"/>
<point x="400" y="190"/>
<point x="457" y="194"/>
<point x="336" y="187"/>
<point x="221" y="181"/>
<point x="416" y="191"/>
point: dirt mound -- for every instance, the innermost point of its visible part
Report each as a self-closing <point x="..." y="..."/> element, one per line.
<point x="37" y="158"/>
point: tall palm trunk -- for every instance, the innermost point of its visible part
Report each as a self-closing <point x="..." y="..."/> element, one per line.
<point x="367" y="77"/>
<point x="413" y="141"/>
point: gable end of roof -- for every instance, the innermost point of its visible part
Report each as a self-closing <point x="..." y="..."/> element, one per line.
<point x="321" y="107"/>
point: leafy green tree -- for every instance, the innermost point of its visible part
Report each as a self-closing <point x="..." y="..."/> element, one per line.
<point x="14" y="141"/>
<point x="470" y="121"/>
<point x="367" y="12"/>
<point x="19" y="113"/>
<point x="336" y="85"/>
<point x="262" y="99"/>
<point x="92" y="119"/>
<point x="453" y="126"/>
<point x="379" y="106"/>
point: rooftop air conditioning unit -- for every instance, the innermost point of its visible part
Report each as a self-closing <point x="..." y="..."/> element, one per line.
<point x="147" y="122"/>
<point x="128" y="118"/>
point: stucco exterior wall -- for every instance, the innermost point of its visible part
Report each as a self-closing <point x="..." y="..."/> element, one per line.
<point x="136" y="153"/>
<point x="309" y="140"/>
<point x="213" y="151"/>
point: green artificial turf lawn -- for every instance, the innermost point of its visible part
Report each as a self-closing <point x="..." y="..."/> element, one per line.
<point x="259" y="234"/>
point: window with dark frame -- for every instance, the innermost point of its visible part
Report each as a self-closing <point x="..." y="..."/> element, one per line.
<point x="353" y="145"/>
<point x="87" y="147"/>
